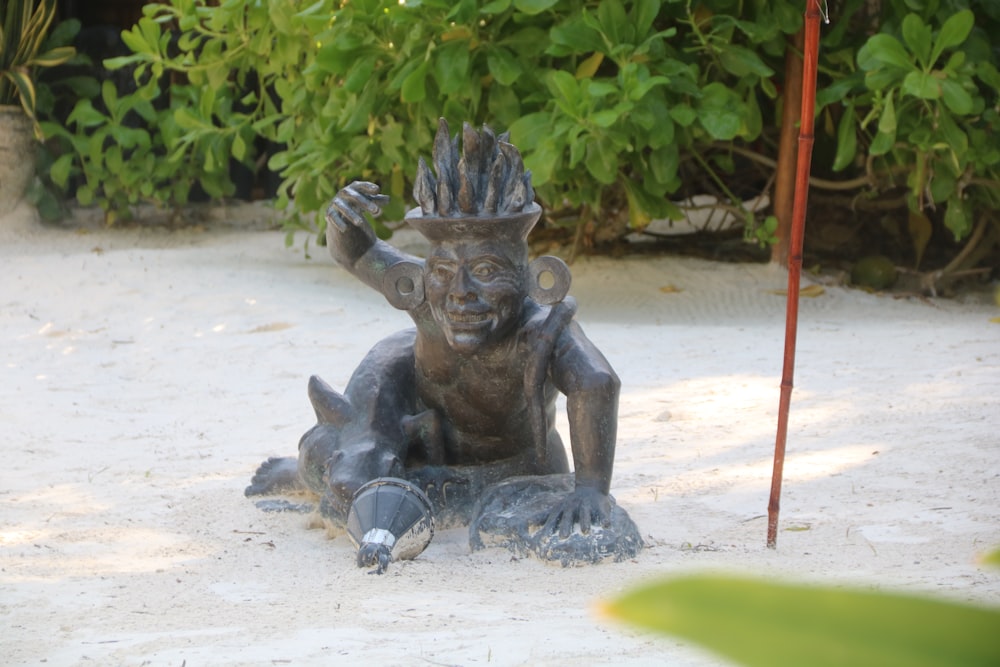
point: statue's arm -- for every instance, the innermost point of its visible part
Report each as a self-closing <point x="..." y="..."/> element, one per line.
<point x="352" y="240"/>
<point x="581" y="372"/>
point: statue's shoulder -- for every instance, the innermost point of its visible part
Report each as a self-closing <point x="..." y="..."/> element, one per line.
<point x="548" y="322"/>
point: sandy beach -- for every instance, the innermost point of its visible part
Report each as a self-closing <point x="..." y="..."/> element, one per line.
<point x="146" y="373"/>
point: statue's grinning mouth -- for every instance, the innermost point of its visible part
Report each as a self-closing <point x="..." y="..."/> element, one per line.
<point x="468" y="318"/>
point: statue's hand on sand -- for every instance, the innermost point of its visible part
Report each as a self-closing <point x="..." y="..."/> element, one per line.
<point x="584" y="506"/>
<point x="349" y="206"/>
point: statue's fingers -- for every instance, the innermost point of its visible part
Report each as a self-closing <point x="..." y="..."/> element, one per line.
<point x="363" y="198"/>
<point x="335" y="218"/>
<point x="377" y="203"/>
<point x="605" y="516"/>
<point x="368" y="195"/>
<point x="365" y="187"/>
<point x="551" y="523"/>
<point x="342" y="213"/>
<point x="587" y="515"/>
<point x="565" y="524"/>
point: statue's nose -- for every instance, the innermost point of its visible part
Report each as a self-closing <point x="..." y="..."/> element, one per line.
<point x="462" y="288"/>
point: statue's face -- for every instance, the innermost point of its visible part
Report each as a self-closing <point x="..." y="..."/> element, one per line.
<point x="475" y="292"/>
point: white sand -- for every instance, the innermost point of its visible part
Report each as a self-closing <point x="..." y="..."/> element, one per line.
<point x="146" y="373"/>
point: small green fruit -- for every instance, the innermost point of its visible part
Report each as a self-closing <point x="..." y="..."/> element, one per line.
<point x="875" y="272"/>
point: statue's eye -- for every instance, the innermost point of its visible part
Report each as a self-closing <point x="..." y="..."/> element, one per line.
<point x="484" y="270"/>
<point x="442" y="271"/>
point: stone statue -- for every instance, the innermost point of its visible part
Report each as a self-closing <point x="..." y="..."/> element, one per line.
<point x="463" y="405"/>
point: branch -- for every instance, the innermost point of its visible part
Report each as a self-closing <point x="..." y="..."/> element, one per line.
<point x="825" y="184"/>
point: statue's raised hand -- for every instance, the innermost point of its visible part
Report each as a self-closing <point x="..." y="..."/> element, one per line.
<point x="349" y="206"/>
<point x="348" y="233"/>
<point x="584" y="506"/>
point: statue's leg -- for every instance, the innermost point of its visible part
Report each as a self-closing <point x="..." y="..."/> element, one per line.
<point x="274" y="476"/>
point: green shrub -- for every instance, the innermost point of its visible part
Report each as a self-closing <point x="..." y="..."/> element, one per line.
<point x="919" y="105"/>
<point x="618" y="106"/>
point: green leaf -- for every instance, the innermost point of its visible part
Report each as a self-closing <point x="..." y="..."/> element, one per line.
<point x="504" y="67"/>
<point x="613" y="20"/>
<point x="534" y="6"/>
<point x="942" y="185"/>
<point x="53" y="57"/>
<point x="683" y="114"/>
<point x="604" y="119"/>
<point x="495" y="7"/>
<point x="991" y="558"/>
<point x="531" y="129"/>
<point x="574" y="36"/>
<point x="332" y="58"/>
<point x="85" y="195"/>
<point x="954" y="31"/>
<point x="645" y="12"/>
<point x="25" y="89"/>
<point x="451" y="67"/>
<point x="542" y="161"/>
<point x="565" y="91"/>
<point x="764" y="624"/>
<point x="887" y="121"/>
<point x="639" y="91"/>
<point x="958" y="219"/>
<point x="882" y="78"/>
<point x="921" y="84"/>
<point x="414" y="87"/>
<point x="881" y="50"/>
<point x="720" y="111"/>
<point x="917" y="36"/>
<point x="664" y="162"/>
<point x="278" y="161"/>
<point x="602" y="160"/>
<point x="847" y="139"/>
<point x="956" y="97"/>
<point x="882" y="144"/>
<point x="988" y="74"/>
<point x="639" y="215"/>
<point x="741" y="61"/>
<point x="954" y="136"/>
<point x="60" y="170"/>
<point x="360" y="74"/>
<point x="239" y="147"/>
<point x="187" y="120"/>
<point x="135" y="42"/>
<point x="85" y="115"/>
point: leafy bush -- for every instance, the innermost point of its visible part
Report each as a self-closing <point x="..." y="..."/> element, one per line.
<point x="25" y="48"/>
<point x="919" y="107"/>
<point x="604" y="98"/>
<point x="618" y="106"/>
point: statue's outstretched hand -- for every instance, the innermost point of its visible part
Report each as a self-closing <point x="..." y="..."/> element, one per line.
<point x="350" y="204"/>
<point x="584" y="506"/>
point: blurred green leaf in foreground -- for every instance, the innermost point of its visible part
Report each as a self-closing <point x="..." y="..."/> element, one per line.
<point x="767" y="624"/>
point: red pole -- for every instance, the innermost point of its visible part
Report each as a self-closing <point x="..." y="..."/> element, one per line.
<point x="810" y="57"/>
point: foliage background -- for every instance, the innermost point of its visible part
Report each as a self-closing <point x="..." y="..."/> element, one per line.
<point x="622" y="109"/>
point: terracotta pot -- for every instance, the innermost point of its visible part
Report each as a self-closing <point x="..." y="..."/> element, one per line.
<point x="17" y="156"/>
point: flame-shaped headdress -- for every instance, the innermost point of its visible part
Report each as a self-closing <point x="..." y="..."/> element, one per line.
<point x="484" y="193"/>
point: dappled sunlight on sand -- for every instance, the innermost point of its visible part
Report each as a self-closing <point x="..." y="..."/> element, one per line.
<point x="53" y="553"/>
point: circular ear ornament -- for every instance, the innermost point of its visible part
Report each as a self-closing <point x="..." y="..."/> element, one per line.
<point x="545" y="270"/>
<point x="403" y="285"/>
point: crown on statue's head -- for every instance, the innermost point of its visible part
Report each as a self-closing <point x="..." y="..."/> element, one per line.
<point x="483" y="194"/>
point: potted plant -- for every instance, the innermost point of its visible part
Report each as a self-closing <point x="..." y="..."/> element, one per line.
<point x="24" y="25"/>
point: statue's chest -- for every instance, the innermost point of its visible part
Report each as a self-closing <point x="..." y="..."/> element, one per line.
<point x="464" y="387"/>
